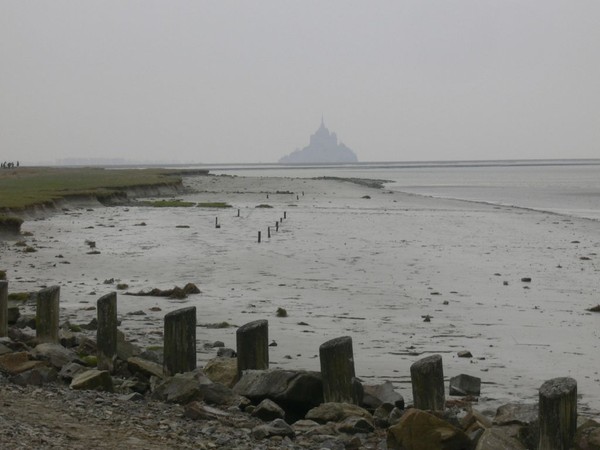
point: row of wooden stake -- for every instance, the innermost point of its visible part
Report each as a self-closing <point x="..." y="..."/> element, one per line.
<point x="557" y="397"/>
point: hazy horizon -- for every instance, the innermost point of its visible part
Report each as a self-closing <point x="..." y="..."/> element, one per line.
<point x="247" y="82"/>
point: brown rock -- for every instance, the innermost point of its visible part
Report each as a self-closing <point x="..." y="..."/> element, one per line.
<point x="14" y="363"/>
<point x="587" y="436"/>
<point x="98" y="380"/>
<point x="337" y="412"/>
<point x="496" y="439"/>
<point x="419" y="430"/>
<point x="222" y="370"/>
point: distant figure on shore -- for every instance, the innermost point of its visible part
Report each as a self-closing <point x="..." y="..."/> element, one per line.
<point x="9" y="165"/>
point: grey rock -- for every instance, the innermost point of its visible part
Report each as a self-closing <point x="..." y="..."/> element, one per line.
<point x="375" y="395"/>
<point x="144" y="367"/>
<point x="276" y="428"/>
<point x="36" y="376"/>
<point x="353" y="425"/>
<point x="337" y="412"/>
<point x="496" y="439"/>
<point x="465" y="385"/>
<point x="268" y="410"/>
<point x="226" y="352"/>
<point x="55" y="354"/>
<point x="70" y="370"/>
<point x="198" y="411"/>
<point x="98" y="380"/>
<point x="381" y="416"/>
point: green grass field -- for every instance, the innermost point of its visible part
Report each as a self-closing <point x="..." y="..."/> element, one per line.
<point x="24" y="187"/>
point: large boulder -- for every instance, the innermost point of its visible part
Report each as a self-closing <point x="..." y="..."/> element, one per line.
<point x="296" y="391"/>
<point x="144" y="367"/>
<point x="55" y="354"/>
<point x="14" y="363"/>
<point x="419" y="430"/>
<point x="587" y="436"/>
<point x="496" y="439"/>
<point x="375" y="395"/>
<point x="181" y="388"/>
<point x="97" y="380"/>
<point x="464" y="385"/>
<point x="222" y="370"/>
<point x="337" y="412"/>
<point x="519" y="421"/>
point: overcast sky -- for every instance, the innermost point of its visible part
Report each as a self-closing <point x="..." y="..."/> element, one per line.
<point x="247" y="81"/>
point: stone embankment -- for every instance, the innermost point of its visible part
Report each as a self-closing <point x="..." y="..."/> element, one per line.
<point x="55" y="393"/>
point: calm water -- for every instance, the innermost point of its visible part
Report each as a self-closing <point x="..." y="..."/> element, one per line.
<point x="568" y="187"/>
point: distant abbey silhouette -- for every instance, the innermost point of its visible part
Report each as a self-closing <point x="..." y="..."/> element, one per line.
<point x="323" y="148"/>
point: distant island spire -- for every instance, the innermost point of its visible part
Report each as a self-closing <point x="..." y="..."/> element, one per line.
<point x="323" y="148"/>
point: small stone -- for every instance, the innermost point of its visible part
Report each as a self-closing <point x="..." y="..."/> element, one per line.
<point x="268" y="410"/>
<point x="465" y="354"/>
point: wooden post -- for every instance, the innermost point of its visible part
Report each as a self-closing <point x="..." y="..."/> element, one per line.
<point x="269" y="232"/>
<point x="3" y="308"/>
<point x="276" y="225"/>
<point x="558" y="414"/>
<point x="427" y="377"/>
<point x="285" y="214"/>
<point x="217" y="223"/>
<point x="47" y="315"/>
<point x="252" y="341"/>
<point x="180" y="341"/>
<point x="337" y="370"/>
<point x="106" y="335"/>
<point x="238" y="213"/>
<point x="259" y="237"/>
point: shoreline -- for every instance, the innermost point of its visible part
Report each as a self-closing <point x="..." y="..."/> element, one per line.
<point x="401" y="266"/>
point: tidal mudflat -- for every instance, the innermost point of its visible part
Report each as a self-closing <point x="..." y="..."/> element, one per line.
<point x="511" y="286"/>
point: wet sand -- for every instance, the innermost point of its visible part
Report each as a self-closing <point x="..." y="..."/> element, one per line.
<point x="342" y="265"/>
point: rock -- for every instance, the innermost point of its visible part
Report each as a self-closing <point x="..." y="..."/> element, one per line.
<point x="465" y="385"/>
<point x="587" y="436"/>
<point x="268" y="410"/>
<point x="375" y="395"/>
<point x="419" y="430"/>
<point x="337" y="412"/>
<point x="295" y="391"/>
<point x="198" y="411"/>
<point x="126" y="349"/>
<point x="218" y="394"/>
<point x="98" y="380"/>
<point x="304" y="426"/>
<point x="276" y="428"/>
<point x="15" y="363"/>
<point x="67" y="338"/>
<point x="144" y="367"/>
<point x="70" y="370"/>
<point x="218" y="344"/>
<point x="92" y="326"/>
<point x="225" y="352"/>
<point x="222" y="370"/>
<point x="519" y="421"/>
<point x="26" y="321"/>
<point x="465" y="354"/>
<point x="4" y="349"/>
<point x="87" y="346"/>
<point x="353" y="425"/>
<point x="181" y="388"/>
<point x="36" y="376"/>
<point x="526" y="279"/>
<point x="381" y="416"/>
<point x="55" y="354"/>
<point x="496" y="439"/>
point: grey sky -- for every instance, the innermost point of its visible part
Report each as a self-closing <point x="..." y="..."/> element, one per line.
<point x="247" y="81"/>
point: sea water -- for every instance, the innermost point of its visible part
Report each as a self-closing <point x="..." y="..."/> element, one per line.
<point x="569" y="187"/>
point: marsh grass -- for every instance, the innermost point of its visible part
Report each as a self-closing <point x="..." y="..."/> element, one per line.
<point x="31" y="186"/>
<point x="213" y="205"/>
<point x="175" y="203"/>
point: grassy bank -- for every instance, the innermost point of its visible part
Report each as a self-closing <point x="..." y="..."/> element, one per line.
<point x="27" y="187"/>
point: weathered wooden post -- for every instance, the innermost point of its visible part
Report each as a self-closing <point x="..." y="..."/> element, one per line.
<point x="269" y="232"/>
<point x="106" y="335"/>
<point x="337" y="370"/>
<point x="558" y="414"/>
<point x="285" y="214"/>
<point x="47" y="315"/>
<point x="276" y="225"/>
<point x="259" y="237"/>
<point x="180" y="341"/>
<point x="217" y="223"/>
<point x="427" y="376"/>
<point x="238" y="212"/>
<point x="3" y="308"/>
<point x="252" y="342"/>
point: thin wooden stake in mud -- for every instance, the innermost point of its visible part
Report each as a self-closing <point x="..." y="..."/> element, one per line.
<point x="3" y="308"/>
<point x="238" y="213"/>
<point x="276" y="226"/>
<point x="47" y="315"/>
<point x="217" y="223"/>
<point x="252" y="341"/>
<point x="180" y="341"/>
<point x="558" y="414"/>
<point x="259" y="237"/>
<point x="269" y="232"/>
<point x="337" y="370"/>
<point x="427" y="376"/>
<point x="106" y="335"/>
<point x="285" y="214"/>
